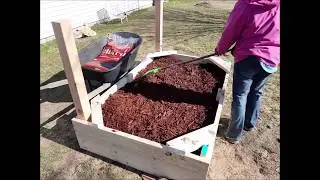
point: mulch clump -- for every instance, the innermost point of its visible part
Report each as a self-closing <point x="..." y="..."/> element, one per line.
<point x="167" y="104"/>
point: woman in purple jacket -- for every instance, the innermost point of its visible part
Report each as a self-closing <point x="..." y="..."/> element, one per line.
<point x="254" y="27"/>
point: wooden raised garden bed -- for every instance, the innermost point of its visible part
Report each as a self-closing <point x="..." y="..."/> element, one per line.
<point x="159" y="124"/>
<point x="164" y="125"/>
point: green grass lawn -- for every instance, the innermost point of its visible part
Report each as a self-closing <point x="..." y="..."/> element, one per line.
<point x="187" y="28"/>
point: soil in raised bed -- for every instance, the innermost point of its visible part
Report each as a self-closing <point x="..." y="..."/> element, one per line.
<point x="168" y="104"/>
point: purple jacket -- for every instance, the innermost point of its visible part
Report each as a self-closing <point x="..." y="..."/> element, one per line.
<point x="254" y="27"/>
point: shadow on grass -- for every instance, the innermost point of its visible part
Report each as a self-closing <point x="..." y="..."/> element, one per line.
<point x="59" y="92"/>
<point x="64" y="134"/>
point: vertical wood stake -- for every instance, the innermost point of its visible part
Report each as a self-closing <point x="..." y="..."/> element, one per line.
<point x="72" y="67"/>
<point x="159" y="24"/>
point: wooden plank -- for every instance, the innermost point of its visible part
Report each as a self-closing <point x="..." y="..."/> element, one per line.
<point x="96" y="109"/>
<point x="159" y="54"/>
<point x="152" y="158"/>
<point x="224" y="65"/>
<point x="70" y="60"/>
<point x="100" y="89"/>
<point x="193" y="140"/>
<point x="91" y="95"/>
<point x="185" y="57"/>
<point x="217" y="118"/>
<point x="159" y="24"/>
<point x="213" y="130"/>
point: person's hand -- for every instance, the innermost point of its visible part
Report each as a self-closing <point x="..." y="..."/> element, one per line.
<point x="219" y="53"/>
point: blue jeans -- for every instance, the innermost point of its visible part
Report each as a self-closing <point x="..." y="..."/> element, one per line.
<point x="249" y="79"/>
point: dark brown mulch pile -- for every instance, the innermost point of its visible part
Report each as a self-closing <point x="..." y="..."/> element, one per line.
<point x="167" y="104"/>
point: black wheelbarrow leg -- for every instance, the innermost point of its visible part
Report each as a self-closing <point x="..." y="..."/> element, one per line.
<point x="88" y="85"/>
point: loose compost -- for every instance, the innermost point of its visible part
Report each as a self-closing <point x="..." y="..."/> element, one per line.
<point x="168" y="104"/>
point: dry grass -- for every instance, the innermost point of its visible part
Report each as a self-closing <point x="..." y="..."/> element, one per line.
<point x="188" y="29"/>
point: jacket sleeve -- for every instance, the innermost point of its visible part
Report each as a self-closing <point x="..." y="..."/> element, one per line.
<point x="233" y="28"/>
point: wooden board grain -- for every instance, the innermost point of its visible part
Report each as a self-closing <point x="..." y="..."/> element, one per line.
<point x="146" y="156"/>
<point x="72" y="67"/>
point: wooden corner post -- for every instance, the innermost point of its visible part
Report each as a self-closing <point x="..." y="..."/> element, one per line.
<point x="159" y="24"/>
<point x="72" y="67"/>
